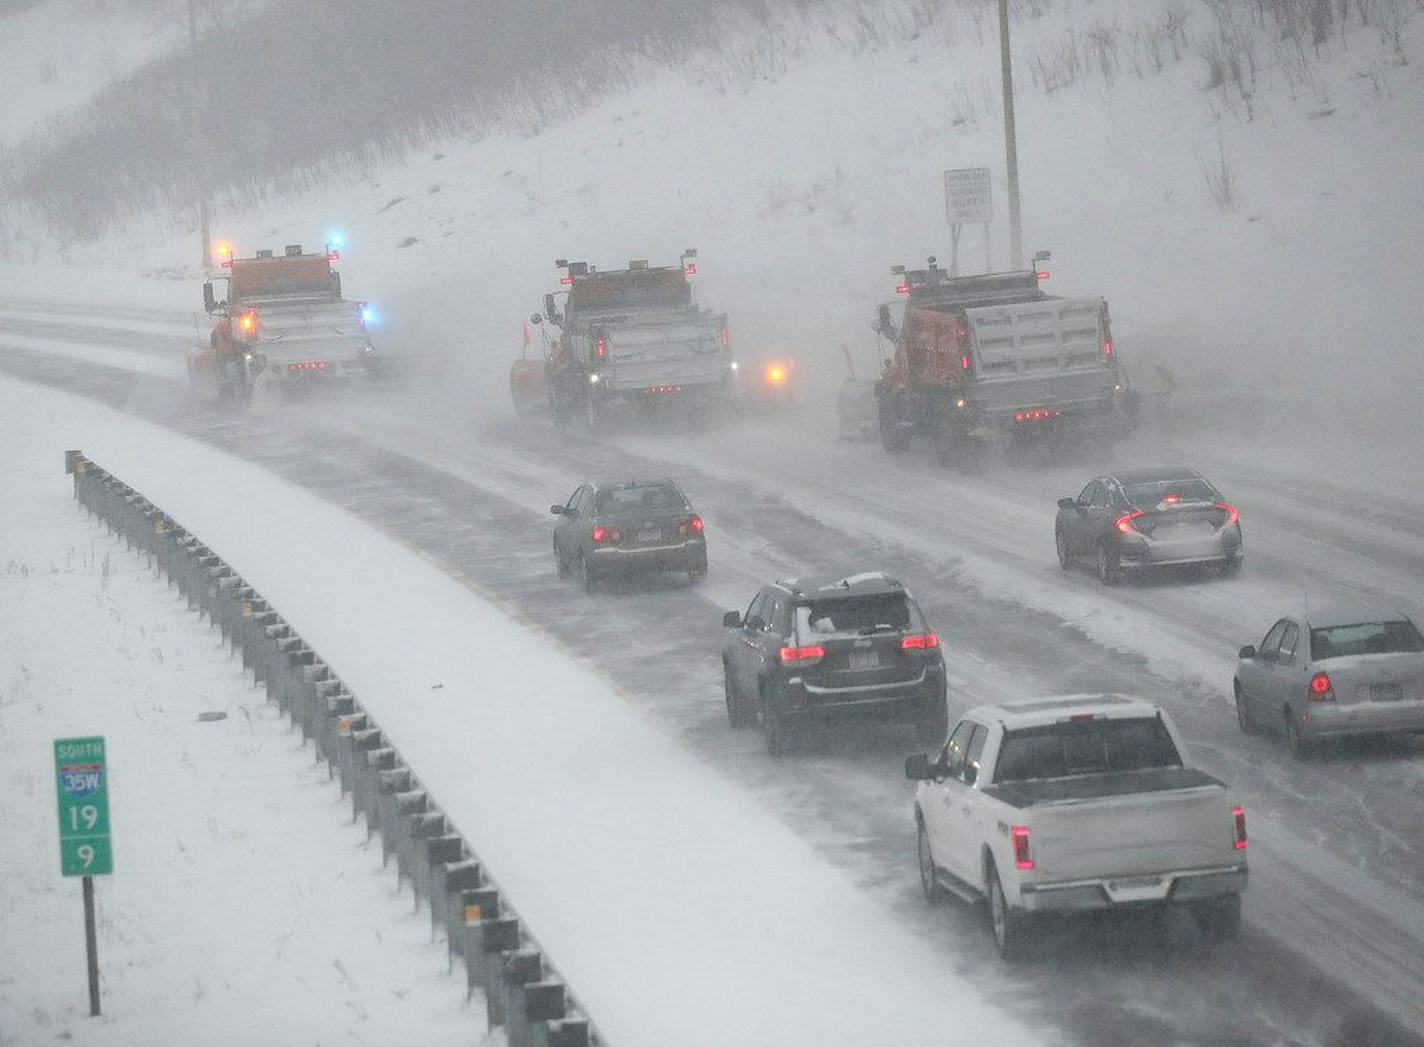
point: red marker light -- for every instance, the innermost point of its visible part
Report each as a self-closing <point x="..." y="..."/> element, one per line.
<point x="1022" y="858"/>
<point x="600" y="347"/>
<point x="1238" y="815"/>
<point x="690" y="269"/>
<point x="566" y="280"/>
<point x="1043" y="274"/>
<point x="1171" y="499"/>
<point x="903" y="288"/>
<point x="1107" y="347"/>
<point x="964" y="362"/>
<point x="1320" y="690"/>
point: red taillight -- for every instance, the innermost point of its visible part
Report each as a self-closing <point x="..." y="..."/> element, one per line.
<point x="723" y="339"/>
<point x="1124" y="523"/>
<point x="1043" y="274"/>
<point x="689" y="270"/>
<point x="693" y="525"/>
<point x="964" y="363"/>
<point x="802" y="655"/>
<point x="1107" y="347"/>
<point x="600" y="347"/>
<point x="333" y="255"/>
<point x="603" y="534"/>
<point x="1171" y="499"/>
<point x="306" y="365"/>
<point x="903" y="288"/>
<point x="1239" y="815"/>
<point x="1038" y="414"/>
<point x="1021" y="855"/>
<point x="566" y="280"/>
<point x="1320" y="690"/>
<point x="1232" y="516"/>
<point x="920" y="642"/>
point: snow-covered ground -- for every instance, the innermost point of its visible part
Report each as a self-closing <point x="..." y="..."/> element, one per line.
<point x="244" y="908"/>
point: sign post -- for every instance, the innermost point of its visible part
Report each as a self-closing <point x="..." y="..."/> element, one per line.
<point x="85" y="847"/>
<point x="968" y="198"/>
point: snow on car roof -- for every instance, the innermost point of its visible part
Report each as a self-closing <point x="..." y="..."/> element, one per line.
<point x="1158" y="475"/>
<point x="1046" y="709"/>
<point x="1332" y="614"/>
<point x="829" y="587"/>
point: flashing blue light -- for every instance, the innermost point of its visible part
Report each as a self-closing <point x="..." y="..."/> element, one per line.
<point x="335" y="240"/>
<point x="368" y="316"/>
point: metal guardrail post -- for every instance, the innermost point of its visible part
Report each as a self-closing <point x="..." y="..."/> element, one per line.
<point x="368" y="765"/>
<point x="346" y="728"/>
<point x="414" y="802"/>
<point x="417" y="829"/>
<point x="485" y="939"/>
<point x="528" y="1004"/>
<point x="565" y="1032"/>
<point x="433" y="852"/>
<point x="464" y="907"/>
<point x="512" y="968"/>
<point x="447" y="880"/>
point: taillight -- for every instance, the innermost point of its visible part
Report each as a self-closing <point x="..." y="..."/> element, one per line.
<point x="1320" y="690"/>
<point x="1124" y="523"/>
<point x="1022" y="860"/>
<point x="1239" y="815"/>
<point x="693" y="525"/>
<point x="802" y="655"/>
<point x="1107" y="348"/>
<point x="1037" y="414"/>
<point x="603" y="534"/>
<point x="307" y="365"/>
<point x="1232" y="516"/>
<point x="723" y="338"/>
<point x="903" y="288"/>
<point x="920" y="642"/>
<point x="600" y="347"/>
<point x="964" y="362"/>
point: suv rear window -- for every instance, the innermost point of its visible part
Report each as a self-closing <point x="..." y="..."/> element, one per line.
<point x="639" y="498"/>
<point x="1340" y="641"/>
<point x="1061" y="750"/>
<point x="884" y="612"/>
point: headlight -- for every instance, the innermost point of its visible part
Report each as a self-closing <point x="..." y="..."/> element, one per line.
<point x="734" y="365"/>
<point x="961" y="403"/>
<point x="593" y="379"/>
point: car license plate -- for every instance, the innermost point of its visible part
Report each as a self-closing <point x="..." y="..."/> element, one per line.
<point x="864" y="660"/>
<point x="1387" y="692"/>
<point x="649" y="536"/>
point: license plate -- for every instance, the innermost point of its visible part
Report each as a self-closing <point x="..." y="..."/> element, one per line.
<point x="648" y="536"/>
<point x="864" y="660"/>
<point x="1387" y="692"/>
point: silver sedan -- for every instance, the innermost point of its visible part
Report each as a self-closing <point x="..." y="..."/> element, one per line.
<point x="1329" y="674"/>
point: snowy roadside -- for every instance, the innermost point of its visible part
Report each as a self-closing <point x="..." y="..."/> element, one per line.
<point x="643" y="872"/>
<point x="243" y="908"/>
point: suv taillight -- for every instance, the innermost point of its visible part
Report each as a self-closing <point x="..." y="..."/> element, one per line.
<point x="1238" y="815"/>
<point x="1320" y="689"/>
<point x="802" y="655"/>
<point x="1022" y="860"/>
<point x="920" y="642"/>
<point x="603" y="534"/>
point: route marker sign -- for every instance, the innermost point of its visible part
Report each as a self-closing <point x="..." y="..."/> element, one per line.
<point x="82" y="784"/>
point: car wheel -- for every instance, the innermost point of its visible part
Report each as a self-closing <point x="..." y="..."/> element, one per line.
<point x="1011" y="929"/>
<point x="774" y="727"/>
<point x="1060" y="542"/>
<point x="929" y="882"/>
<point x="561" y="565"/>
<point x="737" y="713"/>
<point x="894" y="439"/>
<point x="1242" y="716"/>
<point x="1232" y="568"/>
<point x="587" y="580"/>
<point x="1109" y="573"/>
<point x="1219" y="919"/>
<point x="933" y="724"/>
<point x="1300" y="747"/>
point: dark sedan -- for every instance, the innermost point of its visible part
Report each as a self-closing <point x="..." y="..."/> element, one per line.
<point x="626" y="526"/>
<point x="1144" y="519"/>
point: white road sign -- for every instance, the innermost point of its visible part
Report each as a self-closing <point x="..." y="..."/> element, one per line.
<point x="967" y="195"/>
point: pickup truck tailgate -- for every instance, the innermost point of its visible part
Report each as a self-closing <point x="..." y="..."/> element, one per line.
<point x="1135" y="823"/>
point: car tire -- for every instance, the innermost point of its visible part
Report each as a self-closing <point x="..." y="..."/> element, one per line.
<point x="561" y="565"/>
<point x="1232" y="568"/>
<point x="1219" y="919"/>
<point x="1011" y="929"/>
<point x="738" y="715"/>
<point x="929" y="882"/>
<point x="1300" y="746"/>
<point x="933" y="725"/>
<point x="894" y="439"/>
<point x="1109" y="573"/>
<point x="774" y="727"/>
<point x="1060" y="543"/>
<point x="587" y="579"/>
<point x="1243" y="717"/>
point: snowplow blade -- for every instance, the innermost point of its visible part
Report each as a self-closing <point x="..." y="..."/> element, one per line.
<point x="857" y="410"/>
<point x="407" y="368"/>
<point x="528" y="386"/>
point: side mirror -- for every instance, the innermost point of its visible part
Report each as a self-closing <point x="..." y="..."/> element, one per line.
<point x="1246" y="653"/>
<point x="210" y="304"/>
<point x="732" y="620"/>
<point x="557" y="510"/>
<point x="970" y="774"/>
<point x="550" y="309"/>
<point x="917" y="768"/>
<point x="535" y="318"/>
<point x="1067" y="503"/>
<point x="883" y="324"/>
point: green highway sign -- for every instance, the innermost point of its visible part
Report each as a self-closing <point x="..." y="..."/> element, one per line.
<point x="82" y="783"/>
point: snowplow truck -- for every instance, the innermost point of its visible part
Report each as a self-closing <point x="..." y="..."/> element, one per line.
<point x="635" y="339"/>
<point x="992" y="358"/>
<point x="281" y="320"/>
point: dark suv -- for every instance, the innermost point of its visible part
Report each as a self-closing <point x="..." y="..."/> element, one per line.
<point x="822" y="648"/>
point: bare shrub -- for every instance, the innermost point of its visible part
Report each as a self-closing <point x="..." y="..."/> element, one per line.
<point x="1219" y="177"/>
<point x="1102" y="43"/>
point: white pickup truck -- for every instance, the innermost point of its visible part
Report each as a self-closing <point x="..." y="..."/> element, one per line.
<point x="1071" y="804"/>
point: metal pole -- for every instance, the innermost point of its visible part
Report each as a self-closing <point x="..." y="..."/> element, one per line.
<point x="1010" y="141"/>
<point x="91" y="946"/>
<point x="200" y="97"/>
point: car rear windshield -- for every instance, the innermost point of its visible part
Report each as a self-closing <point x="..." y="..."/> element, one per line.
<point x="1060" y="750"/>
<point x="1192" y="489"/>
<point x="639" y="498"/>
<point x="1341" y="641"/>
<point x="887" y="612"/>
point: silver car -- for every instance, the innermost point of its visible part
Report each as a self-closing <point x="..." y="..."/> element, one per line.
<point x="1329" y="674"/>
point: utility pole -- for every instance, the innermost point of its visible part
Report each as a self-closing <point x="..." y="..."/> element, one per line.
<point x="201" y="165"/>
<point x="1010" y="141"/>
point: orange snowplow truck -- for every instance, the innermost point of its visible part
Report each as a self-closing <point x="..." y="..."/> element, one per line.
<point x="282" y="320"/>
<point x="982" y="359"/>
